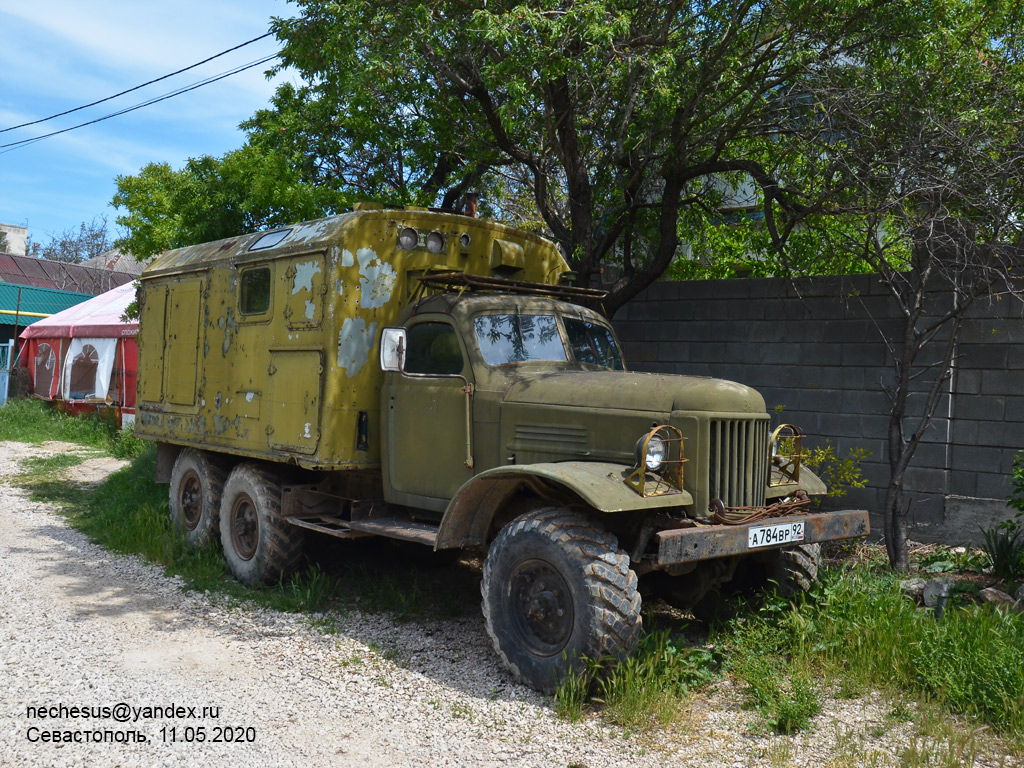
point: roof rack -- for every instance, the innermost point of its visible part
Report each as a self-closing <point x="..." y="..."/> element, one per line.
<point x="463" y="281"/>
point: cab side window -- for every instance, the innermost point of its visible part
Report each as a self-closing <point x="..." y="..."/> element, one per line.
<point x="433" y="348"/>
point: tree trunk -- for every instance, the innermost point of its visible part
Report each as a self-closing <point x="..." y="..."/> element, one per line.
<point x="894" y="528"/>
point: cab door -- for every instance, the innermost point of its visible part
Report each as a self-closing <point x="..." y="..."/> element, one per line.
<point x="428" y="427"/>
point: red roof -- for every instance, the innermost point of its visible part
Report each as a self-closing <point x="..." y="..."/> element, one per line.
<point x="42" y="273"/>
<point x="98" y="317"/>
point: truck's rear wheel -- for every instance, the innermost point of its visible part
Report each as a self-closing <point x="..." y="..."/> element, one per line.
<point x="197" y="482"/>
<point x="556" y="588"/>
<point x="259" y="546"/>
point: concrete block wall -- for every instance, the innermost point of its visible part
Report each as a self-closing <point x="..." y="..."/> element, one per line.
<point x="818" y="351"/>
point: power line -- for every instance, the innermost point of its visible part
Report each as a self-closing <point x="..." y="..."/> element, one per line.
<point x="137" y="87"/>
<point x="10" y="147"/>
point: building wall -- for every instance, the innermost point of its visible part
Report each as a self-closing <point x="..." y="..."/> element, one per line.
<point x="817" y="351"/>
<point x="17" y="239"/>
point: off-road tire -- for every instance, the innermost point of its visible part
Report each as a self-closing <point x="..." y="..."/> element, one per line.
<point x="259" y="546"/>
<point x="197" y="481"/>
<point x="552" y="560"/>
<point x="794" y="569"/>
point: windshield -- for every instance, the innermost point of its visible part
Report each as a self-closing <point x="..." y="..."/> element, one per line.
<point x="592" y="343"/>
<point x="505" y="339"/>
<point x="518" y="338"/>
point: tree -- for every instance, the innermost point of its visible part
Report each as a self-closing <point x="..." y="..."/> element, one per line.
<point x="611" y="114"/>
<point x="927" y="189"/>
<point x="3" y="242"/>
<point x="75" y="246"/>
<point x="213" y="198"/>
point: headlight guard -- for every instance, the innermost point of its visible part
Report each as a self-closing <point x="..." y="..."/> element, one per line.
<point x="659" y="462"/>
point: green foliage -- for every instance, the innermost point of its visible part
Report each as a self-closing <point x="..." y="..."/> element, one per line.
<point x="128" y="513"/>
<point x="1004" y="545"/>
<point x="212" y="198"/>
<point x="1017" y="483"/>
<point x="717" y="135"/>
<point x="947" y="560"/>
<point x="839" y="475"/>
<point x="786" y="700"/>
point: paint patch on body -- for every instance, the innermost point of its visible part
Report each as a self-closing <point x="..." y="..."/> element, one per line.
<point x="354" y="344"/>
<point x="304" y="274"/>
<point x="376" y="279"/>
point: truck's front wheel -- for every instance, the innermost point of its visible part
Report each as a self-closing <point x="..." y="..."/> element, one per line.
<point x="260" y="547"/>
<point x="197" y="481"/>
<point x="557" y="588"/>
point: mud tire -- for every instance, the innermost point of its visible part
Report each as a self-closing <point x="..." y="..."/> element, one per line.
<point x="197" y="482"/>
<point x="552" y="560"/>
<point x="794" y="569"/>
<point x="260" y="547"/>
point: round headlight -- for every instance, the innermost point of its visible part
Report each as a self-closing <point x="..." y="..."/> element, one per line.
<point x="435" y="242"/>
<point x="408" y="238"/>
<point x="654" y="457"/>
<point x="465" y="239"/>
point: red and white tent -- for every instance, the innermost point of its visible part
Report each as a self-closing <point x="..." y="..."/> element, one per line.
<point x="86" y="355"/>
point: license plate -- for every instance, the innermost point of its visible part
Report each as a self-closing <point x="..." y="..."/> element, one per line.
<point x="770" y="535"/>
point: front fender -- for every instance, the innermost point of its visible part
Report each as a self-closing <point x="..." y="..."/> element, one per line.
<point x="809" y="482"/>
<point x="599" y="485"/>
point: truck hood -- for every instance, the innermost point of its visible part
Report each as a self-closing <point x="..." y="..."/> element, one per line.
<point x="635" y="391"/>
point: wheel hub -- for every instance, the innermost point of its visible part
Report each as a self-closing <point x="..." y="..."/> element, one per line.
<point x="542" y="607"/>
<point x="245" y="527"/>
<point x="190" y="499"/>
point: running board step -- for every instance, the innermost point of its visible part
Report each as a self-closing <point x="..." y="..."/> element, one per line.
<point x="396" y="528"/>
<point x="393" y="528"/>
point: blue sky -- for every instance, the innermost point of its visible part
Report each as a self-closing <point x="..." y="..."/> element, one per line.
<point x="59" y="54"/>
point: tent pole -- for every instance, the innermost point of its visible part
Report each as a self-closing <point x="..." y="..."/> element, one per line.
<point x="17" y="315"/>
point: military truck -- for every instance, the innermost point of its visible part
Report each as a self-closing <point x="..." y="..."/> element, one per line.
<point x="435" y="378"/>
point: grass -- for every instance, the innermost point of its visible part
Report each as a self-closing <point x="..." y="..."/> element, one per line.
<point x="27" y="420"/>
<point x="857" y="626"/>
<point x="648" y="689"/>
<point x="854" y="630"/>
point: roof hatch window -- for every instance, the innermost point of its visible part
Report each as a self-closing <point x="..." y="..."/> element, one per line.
<point x="270" y="239"/>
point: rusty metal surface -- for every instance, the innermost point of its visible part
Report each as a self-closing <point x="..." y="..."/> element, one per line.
<point x="713" y="541"/>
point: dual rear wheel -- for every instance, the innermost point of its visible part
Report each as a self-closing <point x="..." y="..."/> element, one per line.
<point x="241" y="509"/>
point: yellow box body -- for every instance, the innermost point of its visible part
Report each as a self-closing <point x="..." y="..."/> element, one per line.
<point x="266" y="345"/>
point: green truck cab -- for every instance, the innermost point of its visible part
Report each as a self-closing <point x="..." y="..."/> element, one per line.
<point x="429" y="377"/>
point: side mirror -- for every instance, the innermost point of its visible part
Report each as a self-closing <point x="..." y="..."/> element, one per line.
<point x="392" y="349"/>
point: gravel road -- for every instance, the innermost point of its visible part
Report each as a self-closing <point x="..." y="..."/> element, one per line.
<point x="81" y="627"/>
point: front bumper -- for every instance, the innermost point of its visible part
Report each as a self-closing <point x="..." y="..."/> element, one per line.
<point x="707" y="542"/>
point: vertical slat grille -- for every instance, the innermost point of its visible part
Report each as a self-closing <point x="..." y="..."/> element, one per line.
<point x="738" y="461"/>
